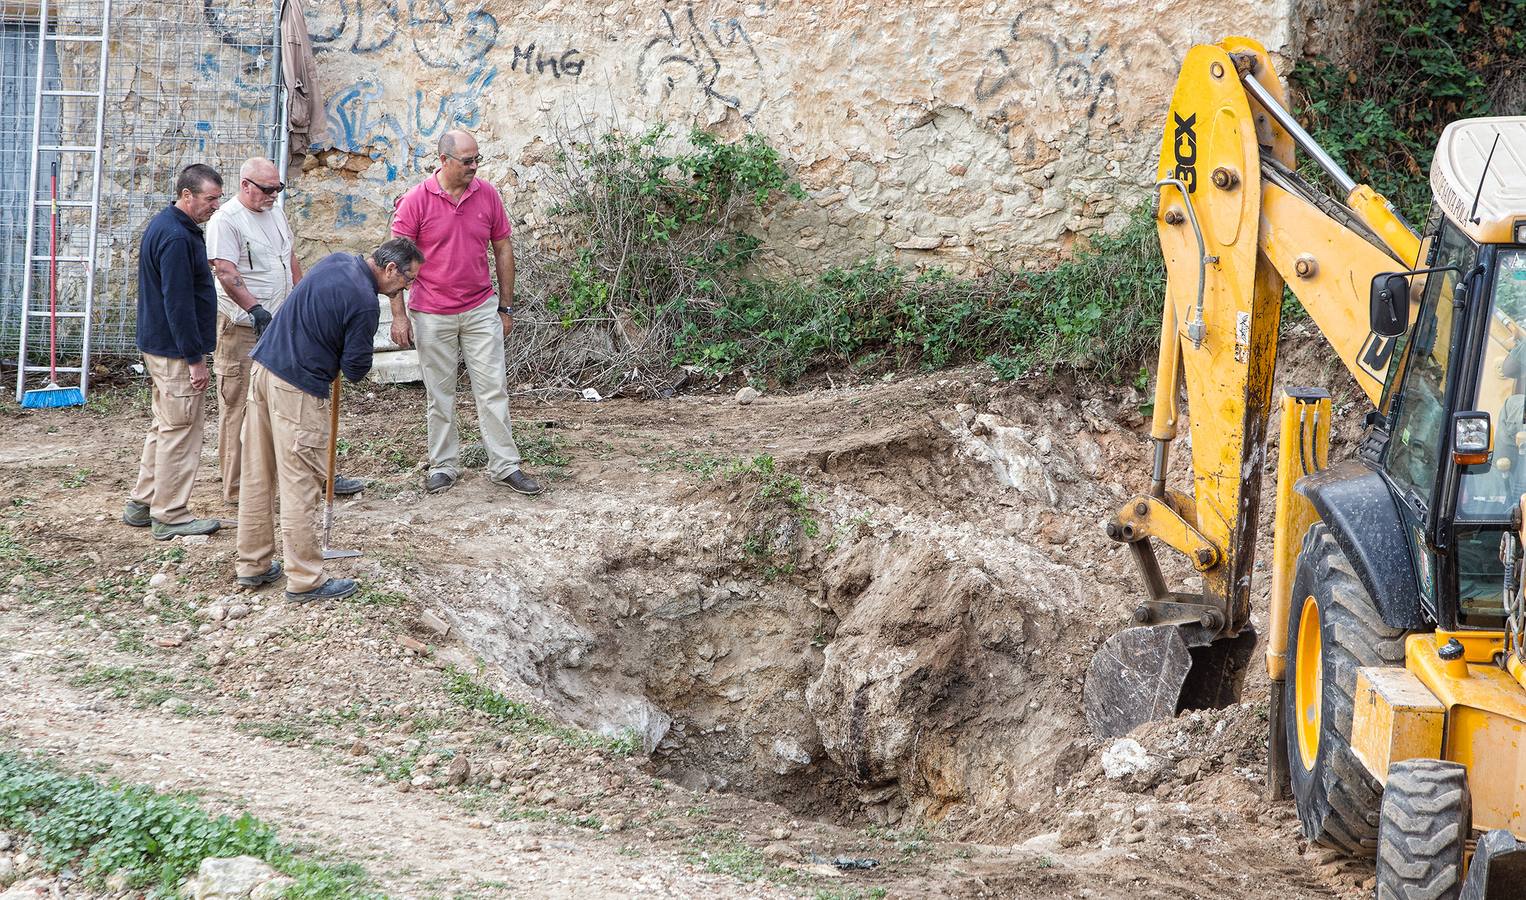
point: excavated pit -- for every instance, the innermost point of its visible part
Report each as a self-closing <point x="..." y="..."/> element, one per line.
<point x="919" y="659"/>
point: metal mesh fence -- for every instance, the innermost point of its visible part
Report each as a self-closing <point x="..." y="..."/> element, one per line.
<point x="187" y="81"/>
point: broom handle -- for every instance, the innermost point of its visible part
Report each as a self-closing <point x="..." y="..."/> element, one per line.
<point x="53" y="280"/>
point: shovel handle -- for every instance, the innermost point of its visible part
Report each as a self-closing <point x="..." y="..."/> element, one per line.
<point x="333" y="436"/>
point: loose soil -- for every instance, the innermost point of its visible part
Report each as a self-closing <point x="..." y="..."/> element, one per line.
<point x="750" y="676"/>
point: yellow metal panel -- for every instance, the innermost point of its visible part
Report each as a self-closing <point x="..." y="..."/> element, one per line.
<point x="1486" y="731"/>
<point x="1378" y="213"/>
<point x="1145" y="516"/>
<point x="1229" y="375"/>
<point x="1394" y="718"/>
<point x="1491" y="746"/>
<point x="1304" y="448"/>
<point x="1336" y="290"/>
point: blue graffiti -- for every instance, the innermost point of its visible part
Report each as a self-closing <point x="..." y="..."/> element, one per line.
<point x="359" y="123"/>
<point x="348" y="215"/>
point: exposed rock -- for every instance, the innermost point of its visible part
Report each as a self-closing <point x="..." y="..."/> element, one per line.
<point x="747" y="394"/>
<point x="230" y="879"/>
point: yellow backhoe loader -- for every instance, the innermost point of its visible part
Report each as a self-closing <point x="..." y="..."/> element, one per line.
<point x="1396" y="637"/>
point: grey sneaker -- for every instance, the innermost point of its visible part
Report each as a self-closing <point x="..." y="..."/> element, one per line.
<point x="438" y="482"/>
<point x="347" y="487"/>
<point x="520" y="482"/>
<point x="163" y="532"/>
<point x="332" y="589"/>
<point x="254" y="581"/>
<point x="136" y="514"/>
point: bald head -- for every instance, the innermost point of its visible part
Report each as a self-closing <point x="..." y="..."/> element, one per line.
<point x="458" y="159"/>
<point x="259" y="182"/>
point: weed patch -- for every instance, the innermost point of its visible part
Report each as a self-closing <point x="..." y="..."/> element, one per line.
<point x="518" y="717"/>
<point x="155" y="840"/>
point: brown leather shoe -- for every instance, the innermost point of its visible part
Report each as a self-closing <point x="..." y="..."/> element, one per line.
<point x="520" y="482"/>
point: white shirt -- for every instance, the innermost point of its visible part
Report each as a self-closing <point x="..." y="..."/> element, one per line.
<point x="259" y="244"/>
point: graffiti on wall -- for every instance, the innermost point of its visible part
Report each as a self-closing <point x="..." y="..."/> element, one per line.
<point x="1054" y="68"/>
<point x="716" y="58"/>
<point x="449" y="40"/>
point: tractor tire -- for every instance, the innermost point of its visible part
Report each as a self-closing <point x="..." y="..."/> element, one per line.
<point x="1427" y="814"/>
<point x="1333" y="629"/>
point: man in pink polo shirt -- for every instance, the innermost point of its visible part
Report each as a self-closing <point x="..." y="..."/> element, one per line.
<point x="452" y="312"/>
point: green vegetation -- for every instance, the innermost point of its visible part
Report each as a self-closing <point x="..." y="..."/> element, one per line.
<point x="776" y="513"/>
<point x="724" y="853"/>
<point x="153" y="840"/>
<point x="519" y="717"/>
<point x="1096" y="312"/>
<point x="655" y="231"/>
<point x="1423" y="63"/>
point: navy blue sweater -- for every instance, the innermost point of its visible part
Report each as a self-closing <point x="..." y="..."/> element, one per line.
<point x="327" y="324"/>
<point x="177" y="305"/>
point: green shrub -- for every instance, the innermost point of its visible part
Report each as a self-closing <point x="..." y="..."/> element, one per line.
<point x="155" y="840"/>
<point x="1420" y="65"/>
<point x="1096" y="312"/>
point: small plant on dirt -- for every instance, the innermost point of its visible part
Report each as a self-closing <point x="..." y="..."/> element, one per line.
<point x="544" y="449"/>
<point x="371" y="595"/>
<point x="775" y="513"/>
<point x="724" y="853"/>
<point x="516" y="716"/>
<point x="155" y="840"/>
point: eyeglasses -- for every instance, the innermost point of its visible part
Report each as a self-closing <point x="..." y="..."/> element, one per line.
<point x="269" y="190"/>
<point x="468" y="161"/>
<point x="407" y="278"/>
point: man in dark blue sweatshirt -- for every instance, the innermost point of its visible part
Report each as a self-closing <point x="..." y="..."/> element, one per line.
<point x="177" y="329"/>
<point x="326" y="326"/>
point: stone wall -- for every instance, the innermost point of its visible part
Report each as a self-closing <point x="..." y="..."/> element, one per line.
<point x="954" y="132"/>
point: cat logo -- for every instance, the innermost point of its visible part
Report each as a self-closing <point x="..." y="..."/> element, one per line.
<point x="1184" y="144"/>
<point x="1376" y="352"/>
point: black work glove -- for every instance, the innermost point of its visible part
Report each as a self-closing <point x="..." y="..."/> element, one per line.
<point x="261" y="318"/>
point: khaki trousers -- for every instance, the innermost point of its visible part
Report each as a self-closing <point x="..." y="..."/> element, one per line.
<point x="285" y="452"/>
<point x="172" y="449"/>
<point x="230" y="363"/>
<point x="443" y="341"/>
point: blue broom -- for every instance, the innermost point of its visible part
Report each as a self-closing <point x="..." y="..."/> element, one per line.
<point x="53" y="395"/>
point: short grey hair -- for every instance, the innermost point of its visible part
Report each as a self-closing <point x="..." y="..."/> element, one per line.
<point x="447" y="144"/>
<point x="398" y="251"/>
<point x="254" y="164"/>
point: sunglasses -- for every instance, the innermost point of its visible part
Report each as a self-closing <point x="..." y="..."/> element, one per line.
<point x="468" y="161"/>
<point x="269" y="190"/>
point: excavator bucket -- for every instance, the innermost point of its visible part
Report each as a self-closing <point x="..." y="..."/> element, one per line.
<point x="1135" y="678"/>
<point x="1498" y="869"/>
<point x="1149" y="672"/>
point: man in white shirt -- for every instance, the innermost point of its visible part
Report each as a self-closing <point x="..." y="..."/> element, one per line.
<point x="250" y="247"/>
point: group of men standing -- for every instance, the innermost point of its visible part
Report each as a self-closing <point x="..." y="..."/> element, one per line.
<point x="223" y="279"/>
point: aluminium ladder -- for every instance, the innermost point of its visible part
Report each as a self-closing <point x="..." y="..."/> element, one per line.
<point x="47" y="42"/>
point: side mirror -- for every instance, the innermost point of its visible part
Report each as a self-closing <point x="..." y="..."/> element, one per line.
<point x="1389" y="306"/>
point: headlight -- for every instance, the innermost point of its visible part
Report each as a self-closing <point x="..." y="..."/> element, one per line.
<point x="1520" y="232"/>
<point x="1470" y="438"/>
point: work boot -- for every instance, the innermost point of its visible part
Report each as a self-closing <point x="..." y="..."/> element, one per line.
<point x="255" y="581"/>
<point x="439" y="482"/>
<point x="347" y="487"/>
<point x="332" y="589"/>
<point x="163" y="532"/>
<point x="520" y="482"/>
<point x="136" y="514"/>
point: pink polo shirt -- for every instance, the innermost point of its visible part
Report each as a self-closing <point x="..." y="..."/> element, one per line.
<point x="454" y="237"/>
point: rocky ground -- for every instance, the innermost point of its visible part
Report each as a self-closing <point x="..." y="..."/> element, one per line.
<point x="826" y="644"/>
